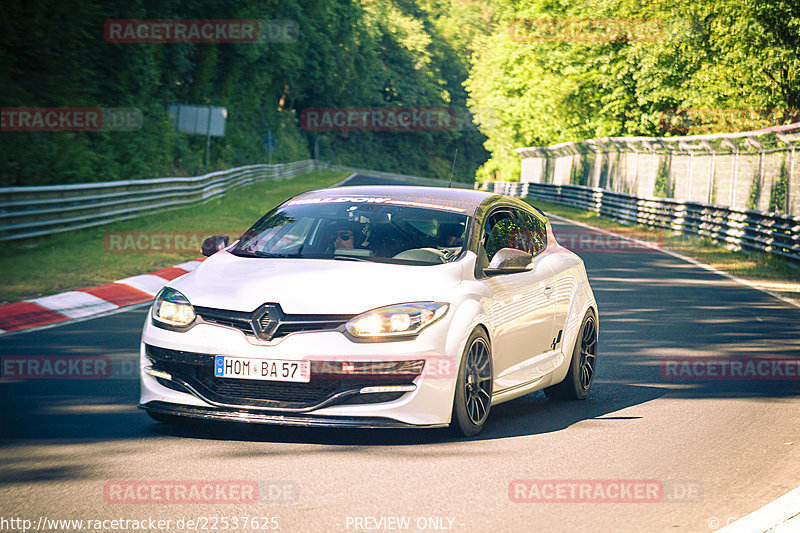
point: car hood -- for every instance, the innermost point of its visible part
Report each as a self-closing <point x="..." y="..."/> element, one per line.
<point x="312" y="286"/>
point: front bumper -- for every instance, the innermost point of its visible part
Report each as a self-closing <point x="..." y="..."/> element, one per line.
<point x="429" y="404"/>
<point x="302" y="420"/>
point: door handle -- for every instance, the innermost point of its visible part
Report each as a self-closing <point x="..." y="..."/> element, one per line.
<point x="548" y="290"/>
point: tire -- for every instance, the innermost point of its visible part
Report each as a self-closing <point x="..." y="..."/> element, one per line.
<point x="582" y="367"/>
<point x="473" y="395"/>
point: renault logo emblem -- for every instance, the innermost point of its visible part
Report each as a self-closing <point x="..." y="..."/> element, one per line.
<point x="265" y="321"/>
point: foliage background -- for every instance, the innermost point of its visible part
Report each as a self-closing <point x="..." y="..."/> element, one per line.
<point x="712" y="66"/>
<point x="708" y="65"/>
<point x="372" y="53"/>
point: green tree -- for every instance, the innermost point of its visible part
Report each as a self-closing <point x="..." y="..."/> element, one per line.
<point x="663" y="68"/>
<point x="347" y="54"/>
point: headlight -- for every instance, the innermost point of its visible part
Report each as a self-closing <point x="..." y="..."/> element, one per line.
<point x="171" y="308"/>
<point x="396" y="321"/>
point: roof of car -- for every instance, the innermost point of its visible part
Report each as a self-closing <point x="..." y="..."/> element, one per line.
<point x="462" y="199"/>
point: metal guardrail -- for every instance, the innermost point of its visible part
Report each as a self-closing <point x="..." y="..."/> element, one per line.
<point x="771" y="233"/>
<point x="415" y="180"/>
<point x="27" y="212"/>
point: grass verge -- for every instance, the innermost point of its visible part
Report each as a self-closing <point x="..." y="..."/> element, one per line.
<point x="89" y="257"/>
<point x="763" y="270"/>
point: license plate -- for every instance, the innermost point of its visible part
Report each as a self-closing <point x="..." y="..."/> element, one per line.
<point x="262" y="369"/>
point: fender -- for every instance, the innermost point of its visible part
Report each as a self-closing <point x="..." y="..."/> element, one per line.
<point x="582" y="301"/>
<point x="468" y="316"/>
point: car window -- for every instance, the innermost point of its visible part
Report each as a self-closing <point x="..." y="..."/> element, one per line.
<point x="357" y="230"/>
<point x="291" y="237"/>
<point x="499" y="232"/>
<point x="531" y="235"/>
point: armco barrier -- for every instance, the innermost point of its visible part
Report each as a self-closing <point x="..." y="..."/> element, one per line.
<point x="413" y="180"/>
<point x="772" y="233"/>
<point x="27" y="212"/>
<point x="43" y="210"/>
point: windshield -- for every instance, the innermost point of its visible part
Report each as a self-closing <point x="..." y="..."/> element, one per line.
<point x="356" y="231"/>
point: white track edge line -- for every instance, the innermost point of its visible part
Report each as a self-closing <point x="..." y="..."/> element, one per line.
<point x="776" y="513"/>
<point x="683" y="258"/>
<point x="348" y="178"/>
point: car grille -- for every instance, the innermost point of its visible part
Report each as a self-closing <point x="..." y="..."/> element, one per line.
<point x="197" y="370"/>
<point x="286" y="323"/>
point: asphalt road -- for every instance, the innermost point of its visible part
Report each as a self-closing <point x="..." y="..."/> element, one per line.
<point x="718" y="448"/>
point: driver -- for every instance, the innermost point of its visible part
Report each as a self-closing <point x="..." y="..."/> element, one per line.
<point x="347" y="236"/>
<point x="344" y="238"/>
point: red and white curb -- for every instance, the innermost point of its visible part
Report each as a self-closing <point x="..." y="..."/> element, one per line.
<point x="91" y="302"/>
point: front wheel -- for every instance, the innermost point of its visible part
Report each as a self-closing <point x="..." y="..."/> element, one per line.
<point x="473" y="395"/>
<point x="582" y="367"/>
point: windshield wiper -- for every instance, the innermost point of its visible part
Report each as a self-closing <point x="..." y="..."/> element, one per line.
<point x="352" y="258"/>
<point x="270" y="255"/>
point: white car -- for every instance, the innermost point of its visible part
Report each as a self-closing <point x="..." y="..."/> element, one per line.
<point x="373" y="306"/>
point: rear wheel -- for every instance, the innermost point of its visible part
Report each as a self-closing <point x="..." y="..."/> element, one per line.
<point x="582" y="367"/>
<point x="473" y="395"/>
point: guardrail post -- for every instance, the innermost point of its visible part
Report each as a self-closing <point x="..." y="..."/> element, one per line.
<point x="653" y="171"/>
<point x="761" y="180"/>
<point x="710" y="184"/>
<point x="711" y="178"/>
<point x="691" y="177"/>
<point x="790" y="156"/>
<point x="789" y="181"/>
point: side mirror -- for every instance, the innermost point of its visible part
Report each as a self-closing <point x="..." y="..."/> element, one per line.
<point x="214" y="244"/>
<point x="508" y="260"/>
